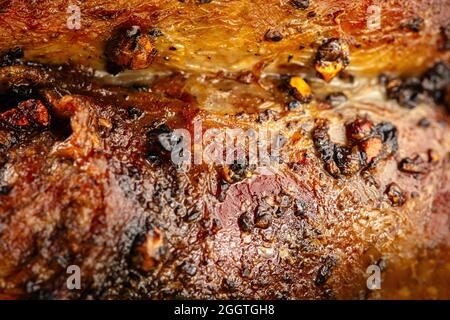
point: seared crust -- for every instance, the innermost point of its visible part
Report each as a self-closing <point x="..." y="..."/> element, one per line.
<point x="232" y="36"/>
<point x="104" y="195"/>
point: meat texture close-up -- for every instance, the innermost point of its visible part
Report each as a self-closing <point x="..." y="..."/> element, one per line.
<point x="116" y="122"/>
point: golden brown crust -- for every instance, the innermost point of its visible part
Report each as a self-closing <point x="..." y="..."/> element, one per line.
<point x="230" y="35"/>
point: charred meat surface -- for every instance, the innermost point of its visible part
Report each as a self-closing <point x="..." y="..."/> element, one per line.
<point x="224" y="149"/>
<point x="87" y="179"/>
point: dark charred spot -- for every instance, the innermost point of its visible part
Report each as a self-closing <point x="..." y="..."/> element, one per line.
<point x="230" y="284"/>
<point x="325" y="270"/>
<point x="236" y="172"/>
<point x="389" y="136"/>
<point x="245" y="222"/>
<point x="335" y="99"/>
<point x="395" y="195"/>
<point x="129" y="48"/>
<point x="5" y="190"/>
<point x="155" y="33"/>
<point x="415" y="165"/>
<point x="436" y="80"/>
<point x="134" y="113"/>
<point x="332" y="57"/>
<point x="406" y="92"/>
<point x="311" y="14"/>
<point x="300" y="4"/>
<point x="414" y="25"/>
<point x="11" y="57"/>
<point x="160" y="143"/>
<point x="368" y="144"/>
<point x="273" y="35"/>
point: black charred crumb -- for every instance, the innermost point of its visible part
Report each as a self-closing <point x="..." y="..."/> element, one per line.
<point x="406" y="92"/>
<point x="237" y="171"/>
<point x="311" y="14"/>
<point x="11" y="57"/>
<point x="436" y="80"/>
<point x="332" y="57"/>
<point x="415" y="165"/>
<point x="335" y="99"/>
<point x="273" y="35"/>
<point x="230" y="284"/>
<point x="268" y="115"/>
<point x="5" y="190"/>
<point x="300" y="4"/>
<point x="434" y="83"/>
<point x="368" y="144"/>
<point x="245" y="222"/>
<point x="204" y="1"/>
<point x="129" y="48"/>
<point x="325" y="271"/>
<point x="389" y="135"/>
<point x="395" y="195"/>
<point x="160" y="143"/>
<point x="414" y="25"/>
<point x="155" y="33"/>
<point x="424" y="123"/>
<point x="134" y="113"/>
<point x="332" y="50"/>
